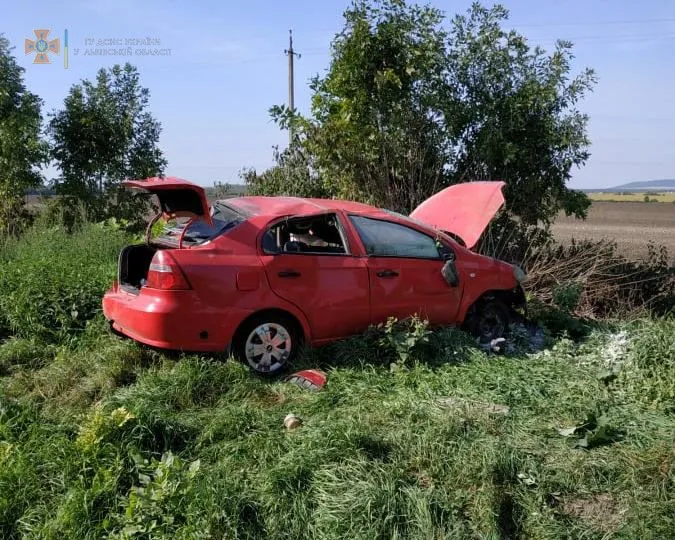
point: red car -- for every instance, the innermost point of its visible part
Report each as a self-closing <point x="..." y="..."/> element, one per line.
<point x="258" y="276"/>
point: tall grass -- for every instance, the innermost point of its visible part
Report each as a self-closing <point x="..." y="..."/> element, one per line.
<point x="52" y="281"/>
<point x="103" y="438"/>
<point x="89" y="441"/>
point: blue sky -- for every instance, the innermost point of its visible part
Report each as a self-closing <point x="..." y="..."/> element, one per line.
<point x="226" y="67"/>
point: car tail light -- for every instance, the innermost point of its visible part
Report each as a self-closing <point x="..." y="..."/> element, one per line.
<point x="164" y="273"/>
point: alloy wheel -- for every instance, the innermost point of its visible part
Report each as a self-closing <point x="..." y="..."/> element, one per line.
<point x="268" y="347"/>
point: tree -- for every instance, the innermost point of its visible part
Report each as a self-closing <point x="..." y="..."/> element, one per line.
<point x="410" y="105"/>
<point x="103" y="135"/>
<point x="516" y="115"/>
<point x="220" y="190"/>
<point x="22" y="150"/>
<point x="294" y="174"/>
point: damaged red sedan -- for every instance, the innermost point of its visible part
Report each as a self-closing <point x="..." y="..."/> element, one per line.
<point x="258" y="276"/>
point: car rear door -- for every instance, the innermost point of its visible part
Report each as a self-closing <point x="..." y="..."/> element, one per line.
<point x="404" y="267"/>
<point x="331" y="289"/>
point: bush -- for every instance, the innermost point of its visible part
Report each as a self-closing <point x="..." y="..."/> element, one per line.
<point x="511" y="240"/>
<point x="592" y="279"/>
<point x="52" y="281"/>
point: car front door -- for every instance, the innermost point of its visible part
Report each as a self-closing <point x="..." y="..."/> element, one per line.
<point x="326" y="282"/>
<point x="404" y="267"/>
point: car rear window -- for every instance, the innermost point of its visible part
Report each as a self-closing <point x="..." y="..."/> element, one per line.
<point x="224" y="219"/>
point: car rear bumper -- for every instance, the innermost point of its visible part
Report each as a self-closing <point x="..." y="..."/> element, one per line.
<point x="175" y="320"/>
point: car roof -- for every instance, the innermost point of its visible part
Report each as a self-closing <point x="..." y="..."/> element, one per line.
<point x="279" y="206"/>
<point x="272" y="207"/>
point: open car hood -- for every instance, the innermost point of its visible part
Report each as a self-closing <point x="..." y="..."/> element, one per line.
<point x="177" y="197"/>
<point x="463" y="209"/>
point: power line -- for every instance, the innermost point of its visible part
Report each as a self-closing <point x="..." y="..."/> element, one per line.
<point x="608" y="38"/>
<point x="596" y="23"/>
<point x="509" y="23"/>
<point x="325" y="51"/>
<point x="209" y="64"/>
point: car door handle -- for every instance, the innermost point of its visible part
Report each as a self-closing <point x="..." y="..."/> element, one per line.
<point x="289" y="273"/>
<point x="387" y="273"/>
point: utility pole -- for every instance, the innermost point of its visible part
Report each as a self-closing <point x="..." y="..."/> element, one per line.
<point x="291" y="97"/>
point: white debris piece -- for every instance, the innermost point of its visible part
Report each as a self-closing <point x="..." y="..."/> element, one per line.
<point x="523" y="337"/>
<point x="292" y="421"/>
<point x="615" y="350"/>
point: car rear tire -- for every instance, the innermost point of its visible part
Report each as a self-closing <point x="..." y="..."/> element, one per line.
<point x="267" y="343"/>
<point x="490" y="320"/>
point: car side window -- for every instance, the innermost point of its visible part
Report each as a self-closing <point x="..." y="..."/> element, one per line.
<point x="386" y="239"/>
<point x="315" y="235"/>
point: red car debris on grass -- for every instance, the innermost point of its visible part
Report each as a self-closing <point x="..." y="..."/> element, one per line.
<point x="258" y="276"/>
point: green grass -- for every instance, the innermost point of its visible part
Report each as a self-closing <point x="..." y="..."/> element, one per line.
<point x="51" y="281"/>
<point x="103" y="438"/>
<point x="83" y="426"/>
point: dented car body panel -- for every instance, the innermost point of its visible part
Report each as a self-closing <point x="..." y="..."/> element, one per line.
<point x="332" y="267"/>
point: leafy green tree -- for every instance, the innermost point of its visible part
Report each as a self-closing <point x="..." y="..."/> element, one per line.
<point x="22" y="150"/>
<point x="516" y="116"/>
<point x="220" y="190"/>
<point x="294" y="174"/>
<point x="103" y="135"/>
<point x="411" y="104"/>
<point x="223" y="190"/>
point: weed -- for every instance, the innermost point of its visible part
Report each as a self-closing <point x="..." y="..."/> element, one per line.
<point x="418" y="434"/>
<point x="402" y="338"/>
<point x="52" y="282"/>
<point x="154" y="507"/>
<point x="567" y="295"/>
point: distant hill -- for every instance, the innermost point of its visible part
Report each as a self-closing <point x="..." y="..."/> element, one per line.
<point x="646" y="185"/>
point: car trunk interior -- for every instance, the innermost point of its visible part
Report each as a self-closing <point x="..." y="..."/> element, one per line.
<point x="134" y="264"/>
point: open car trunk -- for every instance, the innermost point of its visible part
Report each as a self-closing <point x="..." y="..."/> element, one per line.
<point x="198" y="223"/>
<point x="177" y="198"/>
<point x="134" y="263"/>
<point x="134" y="260"/>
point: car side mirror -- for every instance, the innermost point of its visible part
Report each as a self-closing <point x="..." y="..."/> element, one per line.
<point x="449" y="272"/>
<point x="446" y="253"/>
